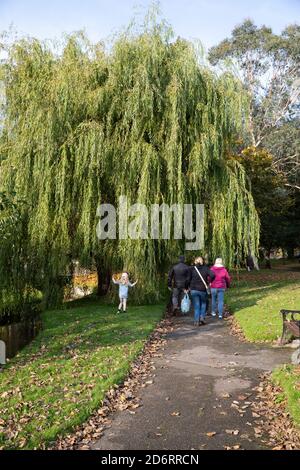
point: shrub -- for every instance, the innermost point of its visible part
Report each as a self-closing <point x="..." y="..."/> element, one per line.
<point x="14" y="308"/>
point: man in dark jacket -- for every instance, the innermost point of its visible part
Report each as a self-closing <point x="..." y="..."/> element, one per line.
<point x="177" y="282"/>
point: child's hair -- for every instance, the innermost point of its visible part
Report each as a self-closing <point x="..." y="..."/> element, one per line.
<point x="125" y="278"/>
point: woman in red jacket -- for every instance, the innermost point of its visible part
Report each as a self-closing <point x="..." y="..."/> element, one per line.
<point x="218" y="287"/>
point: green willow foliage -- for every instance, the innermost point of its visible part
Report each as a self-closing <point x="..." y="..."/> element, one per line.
<point x="145" y="120"/>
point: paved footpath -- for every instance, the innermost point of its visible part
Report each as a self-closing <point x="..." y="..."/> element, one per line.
<point x="189" y="398"/>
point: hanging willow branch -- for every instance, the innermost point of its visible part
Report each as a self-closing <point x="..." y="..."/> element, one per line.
<point x="145" y="121"/>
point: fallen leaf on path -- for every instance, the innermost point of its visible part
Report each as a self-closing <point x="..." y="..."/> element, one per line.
<point x="135" y="406"/>
<point x="211" y="434"/>
<point x="236" y="447"/>
<point x="234" y="432"/>
<point x="257" y="431"/>
<point x="242" y="397"/>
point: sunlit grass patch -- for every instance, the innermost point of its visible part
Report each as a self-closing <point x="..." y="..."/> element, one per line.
<point x="256" y="305"/>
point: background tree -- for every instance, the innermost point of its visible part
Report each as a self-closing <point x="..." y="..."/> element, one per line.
<point x="275" y="204"/>
<point x="285" y="145"/>
<point x="268" y="65"/>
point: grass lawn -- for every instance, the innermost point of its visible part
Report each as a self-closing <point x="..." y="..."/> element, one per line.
<point x="57" y="381"/>
<point x="288" y="378"/>
<point x="256" y="300"/>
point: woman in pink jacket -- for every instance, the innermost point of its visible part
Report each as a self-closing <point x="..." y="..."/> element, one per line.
<point x="218" y="287"/>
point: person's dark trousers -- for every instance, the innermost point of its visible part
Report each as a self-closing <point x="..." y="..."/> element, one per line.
<point x="199" y="299"/>
<point x="177" y="297"/>
<point x="208" y="305"/>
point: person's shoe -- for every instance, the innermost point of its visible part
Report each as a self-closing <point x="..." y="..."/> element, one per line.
<point x="213" y="314"/>
<point x="119" y="311"/>
<point x="202" y="322"/>
<point x="196" y="323"/>
<point x="220" y="318"/>
<point x="124" y="311"/>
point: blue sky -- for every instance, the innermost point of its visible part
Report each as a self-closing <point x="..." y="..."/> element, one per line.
<point x="207" y="20"/>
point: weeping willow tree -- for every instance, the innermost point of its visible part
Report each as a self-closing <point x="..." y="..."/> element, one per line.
<point x="146" y="121"/>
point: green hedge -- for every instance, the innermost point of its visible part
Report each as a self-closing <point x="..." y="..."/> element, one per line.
<point x="14" y="308"/>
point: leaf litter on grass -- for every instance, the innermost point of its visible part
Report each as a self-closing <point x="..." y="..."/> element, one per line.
<point x="123" y="397"/>
<point x="276" y="423"/>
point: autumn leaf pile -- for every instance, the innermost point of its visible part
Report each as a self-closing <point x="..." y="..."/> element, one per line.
<point x="274" y="419"/>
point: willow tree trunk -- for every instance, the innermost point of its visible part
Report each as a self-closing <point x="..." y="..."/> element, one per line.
<point x="268" y="260"/>
<point x="53" y="291"/>
<point x="103" y="275"/>
<point x="290" y="252"/>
